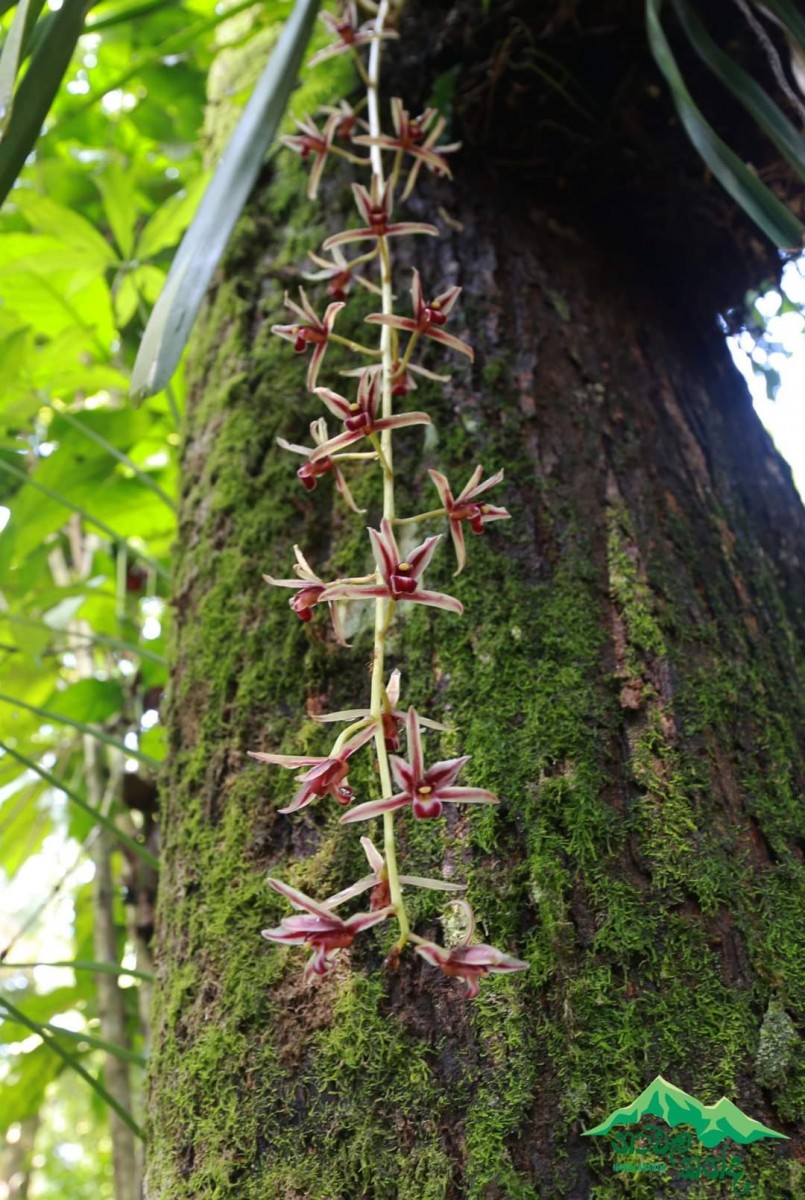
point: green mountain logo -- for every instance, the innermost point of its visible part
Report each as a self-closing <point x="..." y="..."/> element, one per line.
<point x="711" y="1122"/>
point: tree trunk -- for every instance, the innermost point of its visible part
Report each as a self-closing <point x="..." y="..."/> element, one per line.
<point x="625" y="677"/>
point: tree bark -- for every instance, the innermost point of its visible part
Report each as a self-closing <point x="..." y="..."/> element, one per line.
<point x="626" y="677"/>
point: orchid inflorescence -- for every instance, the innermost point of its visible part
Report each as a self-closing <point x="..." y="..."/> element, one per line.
<point x="368" y="423"/>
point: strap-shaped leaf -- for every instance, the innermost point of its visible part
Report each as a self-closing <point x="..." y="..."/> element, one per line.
<point x="78" y="964"/>
<point x="51" y="1040"/>
<point x="788" y="16"/>
<point x="35" y="94"/>
<point x="10" y="59"/>
<point x="56" y="718"/>
<point x="98" y="817"/>
<point x="765" y="112"/>
<point x="25" y="477"/>
<point x="204" y="243"/>
<point x="768" y="213"/>
<point x="99" y="639"/>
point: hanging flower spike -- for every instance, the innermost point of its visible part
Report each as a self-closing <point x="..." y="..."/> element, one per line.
<point x="428" y="317"/>
<point x="412" y="137"/>
<point x="310" y="472"/>
<point x="426" y="791"/>
<point x="344" y="26"/>
<point x="339" y="274"/>
<point x="321" y="929"/>
<point x="464" y="508"/>
<point x="360" y="419"/>
<point x="468" y="962"/>
<point x="309" y="592"/>
<point x="326" y="777"/>
<point x="393" y="719"/>
<point x="310" y="330"/>
<point x="402" y="383"/>
<point x="378" y="881"/>
<point x="376" y="208"/>
<point x="401" y="578"/>
<point x="314" y="143"/>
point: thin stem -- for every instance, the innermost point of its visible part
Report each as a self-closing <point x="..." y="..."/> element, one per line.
<point x="355" y="346"/>
<point x="383" y="606"/>
<point x="434" y="512"/>
<point x="406" y="358"/>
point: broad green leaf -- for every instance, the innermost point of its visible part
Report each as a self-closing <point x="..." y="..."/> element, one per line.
<point x="50" y="716"/>
<point x="35" y="94"/>
<point x="119" y="205"/>
<point x="98" y="817"/>
<point x="85" y="427"/>
<point x="49" y="631"/>
<point x="56" y="220"/>
<point x="171" y="219"/>
<point x="42" y="1006"/>
<point x="768" y="213"/>
<point x="123" y="492"/>
<point x="24" y="1090"/>
<point x="54" y="1042"/>
<point x="24" y="824"/>
<point x="768" y="116"/>
<point x="190" y="275"/>
<point x="88" y="700"/>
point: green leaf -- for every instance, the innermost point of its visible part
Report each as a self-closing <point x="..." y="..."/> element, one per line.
<point x="51" y="1040"/>
<point x="789" y="17"/>
<point x="171" y="219"/>
<point x="10" y="61"/>
<point x="768" y="213"/>
<point x="98" y="968"/>
<point x="119" y="205"/>
<point x="89" y="700"/>
<point x="59" y="499"/>
<point x="24" y="1091"/>
<point x="97" y="816"/>
<point x="46" y="216"/>
<point x="50" y="716"/>
<point x="190" y="275"/>
<point x="35" y="94"/>
<point x="765" y="112"/>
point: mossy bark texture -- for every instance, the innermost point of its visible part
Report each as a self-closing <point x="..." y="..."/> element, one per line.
<point x="625" y="678"/>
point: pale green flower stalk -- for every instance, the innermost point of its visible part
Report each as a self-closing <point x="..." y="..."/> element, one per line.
<point x="370" y="418"/>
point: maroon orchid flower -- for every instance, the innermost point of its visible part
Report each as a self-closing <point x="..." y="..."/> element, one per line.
<point x="314" y="143"/>
<point x="360" y="418"/>
<point x="376" y="211"/>
<point x="426" y="791"/>
<point x="428" y="319"/>
<point x="403" y="382"/>
<point x="310" y="330"/>
<point x="378" y="881"/>
<point x="320" y="928"/>
<point x="392" y="717"/>
<point x="416" y="136"/>
<point x="309" y="592"/>
<point x="339" y="273"/>
<point x="464" y="507"/>
<point x="401" y="577"/>
<point x="311" y="471"/>
<point x="344" y="27"/>
<point x="326" y="776"/>
<point x="348" y="120"/>
<point x="467" y="962"/>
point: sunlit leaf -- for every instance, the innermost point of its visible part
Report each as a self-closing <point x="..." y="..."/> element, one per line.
<point x="190" y="275"/>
